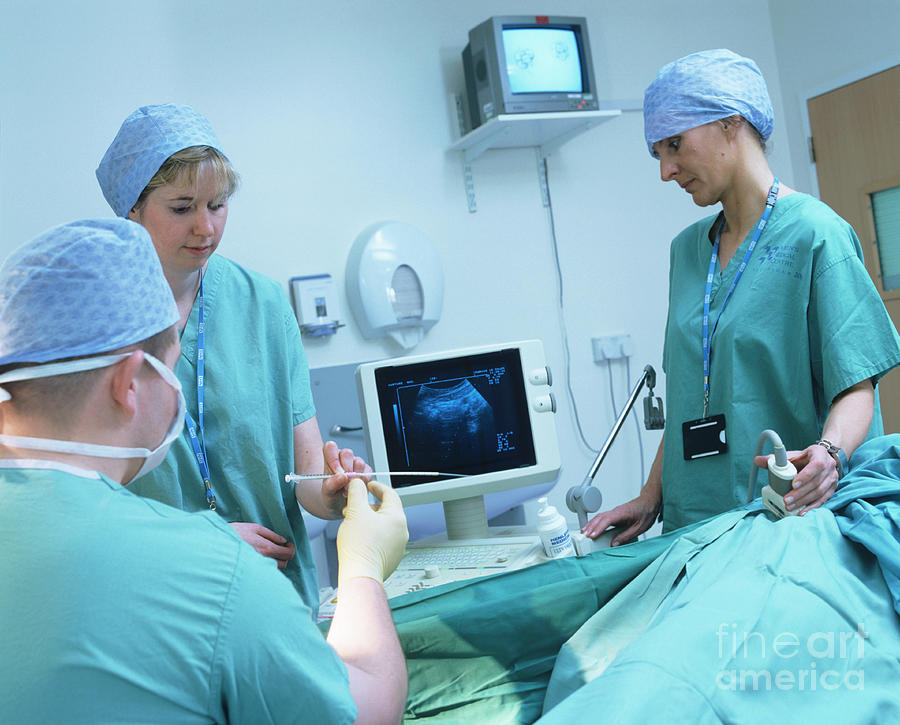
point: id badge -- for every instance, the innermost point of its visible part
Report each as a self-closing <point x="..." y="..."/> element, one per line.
<point x="704" y="437"/>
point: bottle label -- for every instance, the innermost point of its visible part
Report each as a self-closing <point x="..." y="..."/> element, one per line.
<point x="558" y="545"/>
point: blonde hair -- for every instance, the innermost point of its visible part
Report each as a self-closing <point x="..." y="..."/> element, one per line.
<point x="186" y="164"/>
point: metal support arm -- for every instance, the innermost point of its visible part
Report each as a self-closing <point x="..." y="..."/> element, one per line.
<point x="585" y="498"/>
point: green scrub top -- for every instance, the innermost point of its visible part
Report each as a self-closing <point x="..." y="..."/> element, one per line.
<point x="119" y="609"/>
<point x="256" y="391"/>
<point x="803" y="324"/>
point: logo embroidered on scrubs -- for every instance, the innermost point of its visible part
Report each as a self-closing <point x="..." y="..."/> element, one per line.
<point x="780" y="258"/>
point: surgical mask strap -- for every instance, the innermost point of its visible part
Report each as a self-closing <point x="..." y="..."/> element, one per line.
<point x="163" y="371"/>
<point x="50" y="370"/>
<point x="88" y="449"/>
<point x="151" y="458"/>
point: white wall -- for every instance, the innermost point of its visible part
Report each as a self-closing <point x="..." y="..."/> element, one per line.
<point x="337" y="115"/>
<point x="822" y="45"/>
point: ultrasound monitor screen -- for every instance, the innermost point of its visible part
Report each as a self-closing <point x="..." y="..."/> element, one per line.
<point x="465" y="415"/>
<point x="542" y="60"/>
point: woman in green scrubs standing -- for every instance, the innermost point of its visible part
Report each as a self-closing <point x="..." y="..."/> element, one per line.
<point x="250" y="414"/>
<point x="773" y="321"/>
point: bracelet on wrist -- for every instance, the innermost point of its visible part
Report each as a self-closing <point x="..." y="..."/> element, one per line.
<point x="840" y="458"/>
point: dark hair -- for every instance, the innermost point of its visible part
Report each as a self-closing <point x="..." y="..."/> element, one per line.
<point x="60" y="394"/>
<point x="758" y="135"/>
<point x="737" y="118"/>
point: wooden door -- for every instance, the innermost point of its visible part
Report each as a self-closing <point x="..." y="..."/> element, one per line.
<point x="856" y="147"/>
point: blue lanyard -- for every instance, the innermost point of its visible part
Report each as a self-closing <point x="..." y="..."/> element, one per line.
<point x="707" y="335"/>
<point x="199" y="444"/>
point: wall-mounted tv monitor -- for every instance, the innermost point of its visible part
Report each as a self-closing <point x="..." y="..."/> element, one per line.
<point x="528" y="64"/>
<point x="484" y="415"/>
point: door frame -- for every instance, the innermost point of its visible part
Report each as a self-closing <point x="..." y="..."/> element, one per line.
<point x="843" y="80"/>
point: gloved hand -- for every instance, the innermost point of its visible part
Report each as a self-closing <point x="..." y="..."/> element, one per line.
<point x="371" y="540"/>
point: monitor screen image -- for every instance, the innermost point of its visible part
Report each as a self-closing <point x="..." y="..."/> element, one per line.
<point x="483" y="414"/>
<point x="462" y="415"/>
<point x="542" y="60"/>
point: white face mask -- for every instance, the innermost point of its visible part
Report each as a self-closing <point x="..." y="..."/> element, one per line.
<point x="151" y="458"/>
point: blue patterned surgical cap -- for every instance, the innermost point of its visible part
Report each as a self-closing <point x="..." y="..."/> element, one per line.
<point x="146" y="139"/>
<point x="705" y="87"/>
<point x="83" y="288"/>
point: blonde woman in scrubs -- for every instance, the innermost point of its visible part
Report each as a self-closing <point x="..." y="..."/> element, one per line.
<point x="241" y="353"/>
<point x="796" y="336"/>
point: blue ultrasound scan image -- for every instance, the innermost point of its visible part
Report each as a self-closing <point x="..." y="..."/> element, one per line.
<point x="465" y="415"/>
<point x="450" y="422"/>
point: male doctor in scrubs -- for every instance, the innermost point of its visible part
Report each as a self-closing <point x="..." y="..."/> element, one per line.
<point x="117" y="608"/>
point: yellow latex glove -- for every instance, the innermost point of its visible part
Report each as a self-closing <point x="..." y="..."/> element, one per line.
<point x="372" y="539"/>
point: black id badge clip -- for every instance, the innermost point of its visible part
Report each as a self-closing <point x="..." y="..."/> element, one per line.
<point x="704" y="437"/>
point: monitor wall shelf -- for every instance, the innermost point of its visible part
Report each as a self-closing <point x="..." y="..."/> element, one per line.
<point x="545" y="132"/>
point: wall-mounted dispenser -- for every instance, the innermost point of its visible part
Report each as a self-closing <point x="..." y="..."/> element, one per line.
<point x="315" y="306"/>
<point x="395" y="283"/>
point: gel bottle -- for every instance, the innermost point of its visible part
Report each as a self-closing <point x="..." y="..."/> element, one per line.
<point x="554" y="531"/>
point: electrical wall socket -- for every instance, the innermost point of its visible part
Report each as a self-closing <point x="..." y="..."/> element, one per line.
<point x="612" y="347"/>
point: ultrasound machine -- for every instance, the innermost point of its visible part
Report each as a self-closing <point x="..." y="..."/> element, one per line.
<point x="454" y="427"/>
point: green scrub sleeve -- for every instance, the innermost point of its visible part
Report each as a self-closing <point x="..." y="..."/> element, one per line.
<point x="852" y="336"/>
<point x="275" y="665"/>
<point x="303" y="406"/>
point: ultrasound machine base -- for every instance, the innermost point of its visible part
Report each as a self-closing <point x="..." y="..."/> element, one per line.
<point x="435" y="561"/>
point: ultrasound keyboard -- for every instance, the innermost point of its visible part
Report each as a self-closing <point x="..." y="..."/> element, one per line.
<point x="430" y="565"/>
